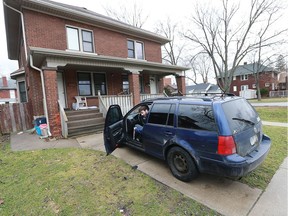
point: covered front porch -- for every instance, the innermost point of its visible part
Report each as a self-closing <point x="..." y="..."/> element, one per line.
<point x="102" y="80"/>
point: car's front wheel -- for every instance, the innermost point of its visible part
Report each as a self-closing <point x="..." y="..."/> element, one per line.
<point x="181" y="164"/>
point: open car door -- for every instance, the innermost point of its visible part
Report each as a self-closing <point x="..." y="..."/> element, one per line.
<point x="113" y="129"/>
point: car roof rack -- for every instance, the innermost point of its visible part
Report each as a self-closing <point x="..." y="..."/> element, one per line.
<point x="208" y="97"/>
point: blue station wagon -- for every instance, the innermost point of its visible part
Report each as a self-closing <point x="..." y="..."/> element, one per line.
<point x="219" y="135"/>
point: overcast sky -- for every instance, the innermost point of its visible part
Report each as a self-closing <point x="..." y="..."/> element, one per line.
<point x="179" y="11"/>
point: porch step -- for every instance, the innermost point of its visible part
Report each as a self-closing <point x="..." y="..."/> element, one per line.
<point x="84" y="122"/>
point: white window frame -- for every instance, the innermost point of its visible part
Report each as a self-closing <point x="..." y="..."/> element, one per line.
<point x="254" y="85"/>
<point x="267" y="84"/>
<point x="80" y="39"/>
<point x="135" y="42"/>
<point x="244" y="87"/>
<point x="235" y="88"/>
<point x="18" y="90"/>
<point x="244" y="77"/>
<point x="92" y="86"/>
<point x="234" y="78"/>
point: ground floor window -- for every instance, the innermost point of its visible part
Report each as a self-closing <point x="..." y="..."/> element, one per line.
<point x="90" y="83"/>
<point x="125" y="84"/>
<point x="244" y="87"/>
<point x="22" y="92"/>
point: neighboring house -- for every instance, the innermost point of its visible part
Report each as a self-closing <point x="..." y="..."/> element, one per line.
<point x="8" y="92"/>
<point x="69" y="51"/>
<point x="203" y="88"/>
<point x="282" y="81"/>
<point x="244" y="78"/>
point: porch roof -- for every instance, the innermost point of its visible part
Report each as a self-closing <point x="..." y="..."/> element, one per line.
<point x="58" y="58"/>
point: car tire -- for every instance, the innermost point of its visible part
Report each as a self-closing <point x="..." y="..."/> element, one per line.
<point x="182" y="164"/>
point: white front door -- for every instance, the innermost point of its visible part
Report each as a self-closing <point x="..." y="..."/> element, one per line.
<point x="61" y="91"/>
<point x="153" y="87"/>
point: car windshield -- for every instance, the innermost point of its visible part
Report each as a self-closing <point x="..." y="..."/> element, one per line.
<point x="240" y="115"/>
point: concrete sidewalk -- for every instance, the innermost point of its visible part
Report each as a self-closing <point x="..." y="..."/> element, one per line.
<point x="223" y="195"/>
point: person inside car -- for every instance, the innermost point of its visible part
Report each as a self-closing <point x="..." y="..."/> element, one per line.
<point x="143" y="113"/>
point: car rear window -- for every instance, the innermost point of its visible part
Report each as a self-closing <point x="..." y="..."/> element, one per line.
<point x="196" y="117"/>
<point x="240" y="115"/>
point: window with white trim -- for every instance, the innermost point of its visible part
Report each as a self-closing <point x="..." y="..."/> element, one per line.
<point x="90" y="83"/>
<point x="244" y="77"/>
<point x="135" y="49"/>
<point x="234" y="88"/>
<point x="22" y="91"/>
<point x="244" y="87"/>
<point x="79" y="39"/>
<point x="234" y="78"/>
<point x="254" y="85"/>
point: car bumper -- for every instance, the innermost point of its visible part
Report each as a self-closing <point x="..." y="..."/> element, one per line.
<point x="236" y="165"/>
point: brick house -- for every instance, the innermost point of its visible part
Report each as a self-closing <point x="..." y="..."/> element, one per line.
<point x="66" y="51"/>
<point x="244" y="79"/>
<point x="8" y="91"/>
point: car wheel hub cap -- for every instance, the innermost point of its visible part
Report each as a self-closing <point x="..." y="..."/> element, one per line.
<point x="180" y="163"/>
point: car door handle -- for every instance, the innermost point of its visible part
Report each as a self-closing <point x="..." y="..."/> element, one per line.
<point x="168" y="133"/>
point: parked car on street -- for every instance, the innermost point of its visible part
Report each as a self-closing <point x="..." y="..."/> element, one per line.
<point x="219" y="135"/>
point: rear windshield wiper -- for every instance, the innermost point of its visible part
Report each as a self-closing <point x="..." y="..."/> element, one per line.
<point x="244" y="120"/>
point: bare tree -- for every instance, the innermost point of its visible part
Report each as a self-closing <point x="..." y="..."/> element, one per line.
<point x="133" y="16"/>
<point x="280" y="63"/>
<point x="227" y="41"/>
<point x="200" y="67"/>
<point x="173" y="50"/>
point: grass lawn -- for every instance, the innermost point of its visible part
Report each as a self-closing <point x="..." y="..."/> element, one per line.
<point x="273" y="114"/>
<point x="268" y="100"/>
<point x="86" y="182"/>
<point x="261" y="177"/>
<point x="83" y="182"/>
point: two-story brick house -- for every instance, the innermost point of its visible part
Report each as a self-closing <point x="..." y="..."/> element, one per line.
<point x="8" y="92"/>
<point x="244" y="78"/>
<point x="66" y="51"/>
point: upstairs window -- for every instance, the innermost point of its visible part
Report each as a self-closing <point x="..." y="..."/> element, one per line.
<point x="80" y="39"/>
<point x="135" y="49"/>
<point x="244" y="77"/>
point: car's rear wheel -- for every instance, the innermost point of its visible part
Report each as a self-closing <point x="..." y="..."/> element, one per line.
<point x="182" y="164"/>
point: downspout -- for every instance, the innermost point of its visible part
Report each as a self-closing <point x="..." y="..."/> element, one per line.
<point x="32" y="66"/>
<point x="44" y="92"/>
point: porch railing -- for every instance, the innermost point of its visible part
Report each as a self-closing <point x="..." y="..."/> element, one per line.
<point x="64" y="121"/>
<point x="278" y="93"/>
<point x="148" y="96"/>
<point x="124" y="101"/>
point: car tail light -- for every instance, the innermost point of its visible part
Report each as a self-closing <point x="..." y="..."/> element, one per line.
<point x="226" y="145"/>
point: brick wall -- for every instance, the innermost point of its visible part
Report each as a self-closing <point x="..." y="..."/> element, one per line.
<point x="34" y="91"/>
<point x="51" y="89"/>
<point x="4" y="93"/>
<point x="49" y="32"/>
<point x="181" y="84"/>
